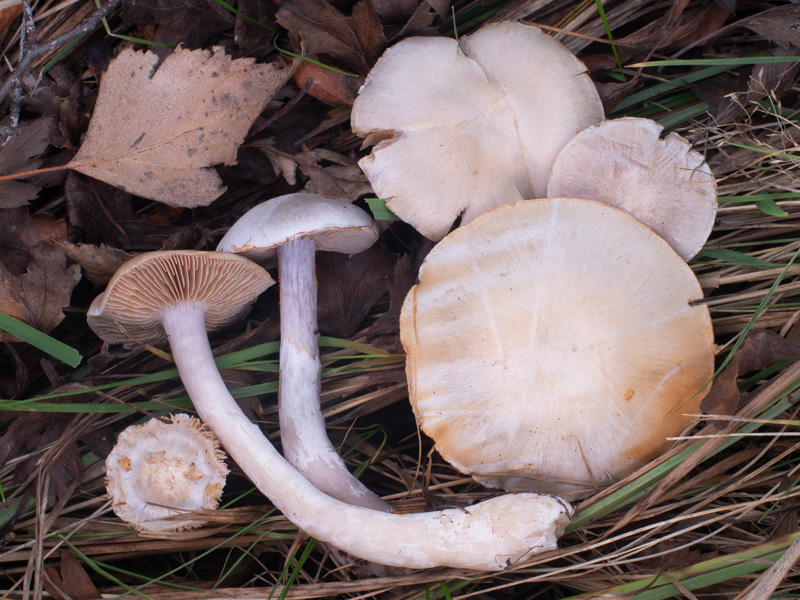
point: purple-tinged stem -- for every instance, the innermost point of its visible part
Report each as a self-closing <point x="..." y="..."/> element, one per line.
<point x="305" y="441"/>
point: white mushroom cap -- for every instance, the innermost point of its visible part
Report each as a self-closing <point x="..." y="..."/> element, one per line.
<point x="157" y="471"/>
<point x="142" y="288"/>
<point x="335" y="225"/>
<point x="663" y="183"/>
<point x="549" y="344"/>
<point x="468" y="126"/>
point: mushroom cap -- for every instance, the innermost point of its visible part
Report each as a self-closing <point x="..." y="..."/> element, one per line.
<point x="157" y="471"/>
<point x="663" y="183"/>
<point x="130" y="308"/>
<point x="554" y="345"/>
<point x="335" y="226"/>
<point x="463" y="127"/>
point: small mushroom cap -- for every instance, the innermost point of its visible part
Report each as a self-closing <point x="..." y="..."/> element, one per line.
<point x="663" y="183"/>
<point x="157" y="471"/>
<point x="554" y="345"/>
<point x="335" y="226"/>
<point x="130" y="308"/>
<point x="466" y="126"/>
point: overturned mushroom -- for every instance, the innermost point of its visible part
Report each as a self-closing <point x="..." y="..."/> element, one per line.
<point x="294" y="227"/>
<point x="159" y="471"/>
<point x="554" y="345"/>
<point x="490" y="535"/>
<point x="663" y="183"/>
<point x="466" y="126"/>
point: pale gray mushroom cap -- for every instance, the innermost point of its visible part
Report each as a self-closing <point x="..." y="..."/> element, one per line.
<point x="130" y="309"/>
<point x="662" y="182"/>
<point x="335" y="225"/>
<point x="466" y="126"/>
<point x="159" y="471"/>
<point x="554" y="345"/>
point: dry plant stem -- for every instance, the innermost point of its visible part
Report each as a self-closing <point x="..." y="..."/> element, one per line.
<point x="305" y="442"/>
<point x="487" y="536"/>
<point x="40" y="50"/>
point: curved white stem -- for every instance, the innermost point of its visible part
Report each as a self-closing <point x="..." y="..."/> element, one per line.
<point x="305" y="442"/>
<point x="487" y="536"/>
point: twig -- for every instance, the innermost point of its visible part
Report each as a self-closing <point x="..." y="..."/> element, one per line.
<point x="37" y="51"/>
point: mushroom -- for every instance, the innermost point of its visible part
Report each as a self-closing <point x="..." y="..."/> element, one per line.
<point x="487" y="536"/>
<point x="663" y="183"/>
<point x="554" y="345"/>
<point x="466" y="126"/>
<point x="159" y="471"/>
<point x="294" y="227"/>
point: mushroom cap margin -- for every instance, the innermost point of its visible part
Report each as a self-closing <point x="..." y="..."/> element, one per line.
<point x="335" y="226"/>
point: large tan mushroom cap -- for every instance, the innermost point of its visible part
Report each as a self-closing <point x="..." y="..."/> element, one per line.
<point x="158" y="471"/>
<point x="468" y="126"/>
<point x="549" y="344"/>
<point x="663" y="183"/>
<point x="334" y="225"/>
<point x="225" y="284"/>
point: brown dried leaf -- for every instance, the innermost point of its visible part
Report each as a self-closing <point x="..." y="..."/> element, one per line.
<point x="157" y="129"/>
<point x="33" y="431"/>
<point x="349" y="286"/>
<point x="343" y="179"/>
<point x="346" y="182"/>
<point x="105" y="215"/>
<point x="761" y="349"/>
<point x="71" y="582"/>
<point x="720" y="93"/>
<point x="37" y="295"/>
<point x="249" y="34"/>
<point x="28" y="139"/>
<point x="357" y="41"/>
<point x="773" y="79"/>
<point x="421" y="20"/>
<point x="680" y="26"/>
<point x="189" y="22"/>
<point x="99" y="263"/>
<point x="330" y="87"/>
<point x="779" y="24"/>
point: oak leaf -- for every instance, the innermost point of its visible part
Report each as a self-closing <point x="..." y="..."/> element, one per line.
<point x="157" y="129"/>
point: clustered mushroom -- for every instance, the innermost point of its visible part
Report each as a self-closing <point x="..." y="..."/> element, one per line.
<point x="555" y="356"/>
<point x="461" y="129"/>
<point x="167" y="294"/>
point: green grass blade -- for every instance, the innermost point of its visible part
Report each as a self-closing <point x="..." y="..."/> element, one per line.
<point x="231" y="9"/>
<point x="679" y="117"/>
<point x="710" y="572"/>
<point x="379" y="210"/>
<point x="42" y="341"/>
<point x="602" y="12"/>
<point x="759" y="310"/>
<point x="738" y="258"/>
<point x="729" y="62"/>
<point x="636" y="489"/>
<point x="666" y="86"/>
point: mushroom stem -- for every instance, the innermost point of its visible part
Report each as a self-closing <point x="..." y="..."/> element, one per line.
<point x="488" y="536"/>
<point x="305" y="442"/>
